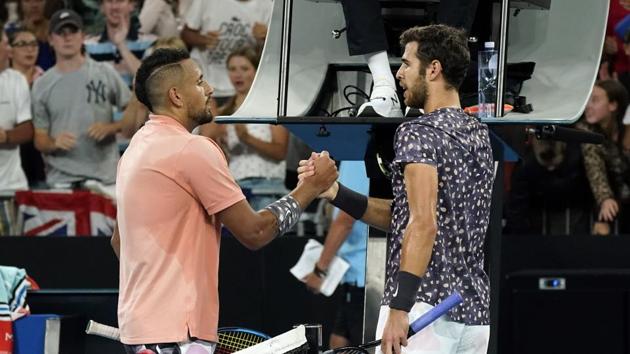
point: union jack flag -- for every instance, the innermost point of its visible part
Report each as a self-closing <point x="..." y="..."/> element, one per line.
<point x="66" y="213"/>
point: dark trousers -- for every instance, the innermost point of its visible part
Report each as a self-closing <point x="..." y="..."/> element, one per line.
<point x="364" y="26"/>
<point x="457" y="13"/>
<point x="365" y="31"/>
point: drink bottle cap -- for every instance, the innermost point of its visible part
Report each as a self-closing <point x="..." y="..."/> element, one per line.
<point x="489" y="45"/>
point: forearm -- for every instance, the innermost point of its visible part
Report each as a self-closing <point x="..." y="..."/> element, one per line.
<point x="263" y="230"/>
<point x="21" y="134"/>
<point x="193" y="38"/>
<point x="417" y="247"/>
<point x="339" y="230"/>
<point x="129" y="58"/>
<point x="416" y="250"/>
<point x="129" y="121"/>
<point x="378" y="213"/>
<point x="256" y="229"/>
<point x="373" y="211"/>
<point x="117" y="126"/>
<point x="596" y="173"/>
<point x="45" y="143"/>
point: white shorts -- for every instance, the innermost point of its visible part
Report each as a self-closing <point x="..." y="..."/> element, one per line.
<point x="196" y="346"/>
<point x="443" y="336"/>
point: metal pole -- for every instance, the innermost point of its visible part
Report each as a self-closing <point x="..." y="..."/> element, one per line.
<point x="285" y="55"/>
<point x="503" y="34"/>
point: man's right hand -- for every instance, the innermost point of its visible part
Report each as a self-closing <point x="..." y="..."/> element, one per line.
<point x="211" y="39"/>
<point x="313" y="282"/>
<point x="324" y="173"/>
<point x="65" y="141"/>
<point x="306" y="169"/>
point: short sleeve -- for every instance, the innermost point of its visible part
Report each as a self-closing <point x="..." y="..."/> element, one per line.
<point x="119" y="91"/>
<point x="41" y="117"/>
<point x="23" y="100"/>
<point x="415" y="143"/>
<point x="194" y="15"/>
<point x="206" y="172"/>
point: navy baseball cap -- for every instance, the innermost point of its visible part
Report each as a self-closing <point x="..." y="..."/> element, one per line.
<point x="62" y="18"/>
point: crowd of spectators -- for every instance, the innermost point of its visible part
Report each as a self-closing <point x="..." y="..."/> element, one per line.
<point x="569" y="188"/>
<point x="67" y="106"/>
<point x="67" y="69"/>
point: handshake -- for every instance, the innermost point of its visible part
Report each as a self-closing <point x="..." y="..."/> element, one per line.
<point x="319" y="173"/>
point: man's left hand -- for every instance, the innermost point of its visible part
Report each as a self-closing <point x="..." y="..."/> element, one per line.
<point x="313" y="283"/>
<point x="99" y="131"/>
<point x="395" y="332"/>
<point x="118" y="35"/>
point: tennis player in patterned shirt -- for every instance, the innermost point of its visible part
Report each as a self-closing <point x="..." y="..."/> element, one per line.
<point x="442" y="177"/>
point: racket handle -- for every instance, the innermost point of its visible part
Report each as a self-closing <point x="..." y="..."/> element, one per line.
<point x="99" y="329"/>
<point x="435" y="313"/>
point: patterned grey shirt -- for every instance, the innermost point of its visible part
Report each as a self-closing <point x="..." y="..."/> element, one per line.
<point x="459" y="146"/>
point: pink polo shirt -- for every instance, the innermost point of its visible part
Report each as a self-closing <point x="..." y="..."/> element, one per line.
<point x="170" y="185"/>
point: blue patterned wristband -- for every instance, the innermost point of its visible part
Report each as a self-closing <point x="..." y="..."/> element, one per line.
<point x="287" y="211"/>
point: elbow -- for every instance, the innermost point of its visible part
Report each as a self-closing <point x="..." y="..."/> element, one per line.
<point x="253" y="238"/>
<point x="252" y="242"/>
<point x="253" y="246"/>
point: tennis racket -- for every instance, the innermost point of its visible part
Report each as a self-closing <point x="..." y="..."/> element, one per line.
<point x="231" y="339"/>
<point x="415" y="327"/>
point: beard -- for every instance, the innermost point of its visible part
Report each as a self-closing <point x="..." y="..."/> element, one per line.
<point x="202" y="116"/>
<point x="417" y="94"/>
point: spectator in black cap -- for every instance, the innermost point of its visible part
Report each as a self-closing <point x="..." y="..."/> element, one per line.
<point x="73" y="106"/>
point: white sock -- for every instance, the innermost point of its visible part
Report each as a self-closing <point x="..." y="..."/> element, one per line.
<point x="380" y="69"/>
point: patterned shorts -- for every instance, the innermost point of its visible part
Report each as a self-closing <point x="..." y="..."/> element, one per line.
<point x="196" y="346"/>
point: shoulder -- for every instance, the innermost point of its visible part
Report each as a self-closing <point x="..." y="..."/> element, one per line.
<point x="203" y="147"/>
<point x="101" y="67"/>
<point x="416" y="128"/>
<point x="16" y="83"/>
<point x="13" y="75"/>
<point x="45" y="81"/>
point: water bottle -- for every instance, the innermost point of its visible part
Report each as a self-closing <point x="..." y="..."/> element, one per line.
<point x="487" y="76"/>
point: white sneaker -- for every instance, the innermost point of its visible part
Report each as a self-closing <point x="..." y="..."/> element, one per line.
<point x="383" y="103"/>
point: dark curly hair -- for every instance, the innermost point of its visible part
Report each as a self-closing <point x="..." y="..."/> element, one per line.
<point x="161" y="64"/>
<point x="446" y="44"/>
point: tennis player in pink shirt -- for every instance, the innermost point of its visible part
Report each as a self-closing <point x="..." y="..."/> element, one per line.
<point x="174" y="190"/>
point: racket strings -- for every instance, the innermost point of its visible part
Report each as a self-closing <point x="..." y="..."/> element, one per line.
<point x="234" y="341"/>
